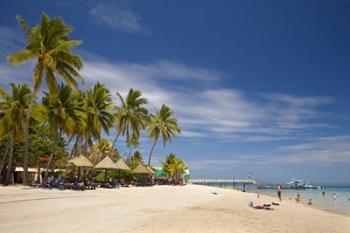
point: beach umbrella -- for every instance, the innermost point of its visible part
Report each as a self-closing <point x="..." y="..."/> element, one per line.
<point x="160" y="173"/>
<point x="142" y="169"/>
<point x="107" y="164"/>
<point x="81" y="162"/>
<point x="121" y="165"/>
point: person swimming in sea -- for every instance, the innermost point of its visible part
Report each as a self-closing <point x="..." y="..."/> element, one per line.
<point x="309" y="202"/>
<point x="334" y="195"/>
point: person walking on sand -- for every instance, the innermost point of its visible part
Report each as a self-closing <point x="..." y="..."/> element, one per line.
<point x="279" y="192"/>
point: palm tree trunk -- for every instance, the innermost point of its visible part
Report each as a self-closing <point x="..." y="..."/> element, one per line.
<point x="52" y="154"/>
<point x="9" y="164"/>
<point x="115" y="141"/>
<point x="39" y="174"/>
<point x="85" y="147"/>
<point x="74" y="147"/>
<point x="3" y="160"/>
<point x="150" y="154"/>
<point x="130" y="150"/>
<point x="26" y="139"/>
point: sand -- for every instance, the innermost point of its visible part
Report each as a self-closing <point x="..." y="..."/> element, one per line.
<point x="155" y="209"/>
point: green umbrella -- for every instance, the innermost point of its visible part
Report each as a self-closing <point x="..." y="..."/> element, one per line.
<point x="159" y="173"/>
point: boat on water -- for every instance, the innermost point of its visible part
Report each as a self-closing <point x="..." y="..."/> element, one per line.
<point x="296" y="183"/>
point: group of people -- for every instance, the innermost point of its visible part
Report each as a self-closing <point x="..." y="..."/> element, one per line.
<point x="297" y="198"/>
<point x="54" y="181"/>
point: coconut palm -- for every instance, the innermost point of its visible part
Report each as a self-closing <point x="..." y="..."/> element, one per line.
<point x="98" y="105"/>
<point x="162" y="124"/>
<point x="134" y="160"/>
<point x="100" y="150"/>
<point x="49" y="45"/>
<point x="133" y="143"/>
<point x="80" y="127"/>
<point x="12" y="118"/>
<point x="131" y="115"/>
<point x="177" y="169"/>
<point x="62" y="114"/>
<point x="174" y="167"/>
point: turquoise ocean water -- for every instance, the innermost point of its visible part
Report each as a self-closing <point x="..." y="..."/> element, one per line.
<point x="340" y="204"/>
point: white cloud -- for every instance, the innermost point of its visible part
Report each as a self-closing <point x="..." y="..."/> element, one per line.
<point x="117" y="16"/>
<point x="204" y="108"/>
<point x="227" y="114"/>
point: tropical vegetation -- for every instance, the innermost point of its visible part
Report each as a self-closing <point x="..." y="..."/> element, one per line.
<point x="175" y="168"/>
<point x="71" y="118"/>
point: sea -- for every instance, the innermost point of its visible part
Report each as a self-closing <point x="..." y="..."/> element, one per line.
<point x="336" y="198"/>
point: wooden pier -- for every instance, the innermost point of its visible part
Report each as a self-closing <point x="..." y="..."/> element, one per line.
<point x="222" y="181"/>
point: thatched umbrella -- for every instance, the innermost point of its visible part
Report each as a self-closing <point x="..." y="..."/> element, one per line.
<point x="142" y="169"/>
<point x="107" y="164"/>
<point x="80" y="161"/>
<point x="121" y="165"/>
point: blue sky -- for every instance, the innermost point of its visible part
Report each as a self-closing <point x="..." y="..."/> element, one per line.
<point x="258" y="86"/>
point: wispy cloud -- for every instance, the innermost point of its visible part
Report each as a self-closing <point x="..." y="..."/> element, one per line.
<point x="205" y="109"/>
<point x="117" y="16"/>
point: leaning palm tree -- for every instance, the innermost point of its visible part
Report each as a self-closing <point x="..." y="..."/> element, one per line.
<point x="49" y="45"/>
<point x="98" y="104"/>
<point x="12" y="119"/>
<point x="131" y="115"/>
<point x="162" y="124"/>
<point x="62" y="114"/>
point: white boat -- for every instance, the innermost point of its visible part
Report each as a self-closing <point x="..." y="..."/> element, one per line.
<point x="296" y="183"/>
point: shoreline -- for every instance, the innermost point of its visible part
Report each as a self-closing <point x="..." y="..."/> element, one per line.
<point x="190" y="208"/>
<point x="312" y="206"/>
<point x="304" y="204"/>
<point x="287" y="198"/>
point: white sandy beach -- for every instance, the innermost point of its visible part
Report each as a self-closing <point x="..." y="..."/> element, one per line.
<point x="189" y="208"/>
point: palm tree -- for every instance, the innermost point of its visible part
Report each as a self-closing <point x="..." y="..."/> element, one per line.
<point x="98" y="105"/>
<point x="131" y="115"/>
<point x="133" y="142"/>
<point x="80" y="127"/>
<point x="100" y="150"/>
<point x="62" y="114"/>
<point x="164" y="125"/>
<point x="13" y="109"/>
<point x="177" y="169"/>
<point x="49" y="45"/>
<point x="134" y="160"/>
<point x="174" y="167"/>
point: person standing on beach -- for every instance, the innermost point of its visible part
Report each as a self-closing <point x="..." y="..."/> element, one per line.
<point x="279" y="192"/>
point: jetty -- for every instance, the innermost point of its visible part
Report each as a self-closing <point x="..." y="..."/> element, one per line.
<point x="222" y="182"/>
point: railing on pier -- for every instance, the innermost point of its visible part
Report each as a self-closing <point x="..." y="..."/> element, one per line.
<point x="222" y="181"/>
